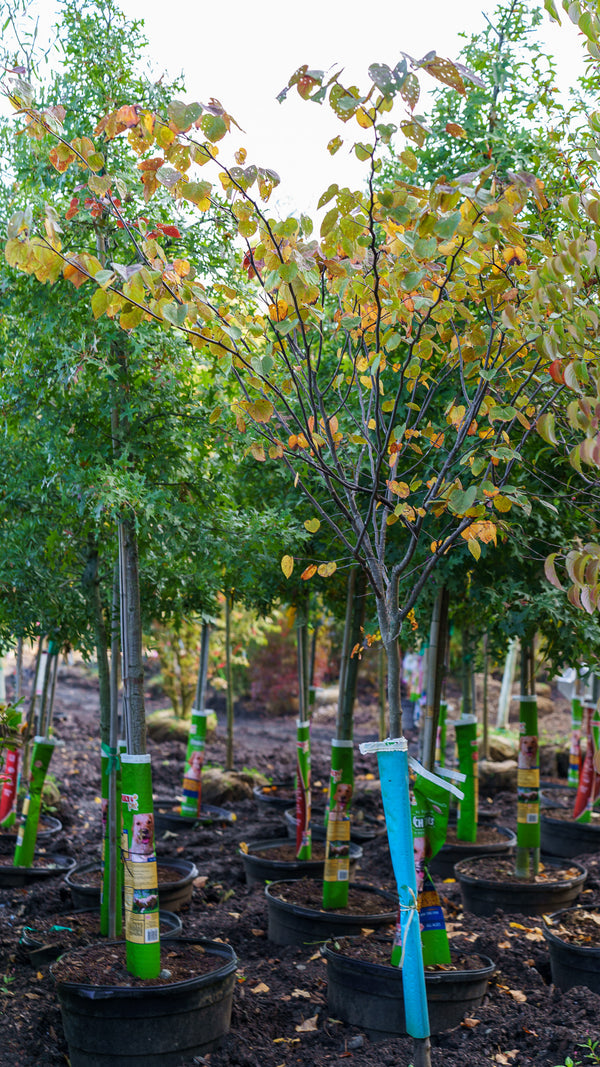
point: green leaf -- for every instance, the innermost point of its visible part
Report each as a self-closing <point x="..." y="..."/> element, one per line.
<point x="329" y="221"/>
<point x="183" y="115"/>
<point x="334" y="145"/>
<point x="327" y="195"/>
<point x="214" y="127"/>
<point x="99" y="185"/>
<point x="197" y="193"/>
<point x="409" y="159"/>
<point x="425" y="247"/>
<point x="546" y="428"/>
<point x="176" y="314"/>
<point x="448" y="226"/>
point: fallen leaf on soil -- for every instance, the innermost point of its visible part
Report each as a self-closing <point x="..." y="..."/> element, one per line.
<point x="201" y="881"/>
<point x="258" y="933"/>
<point x="504" y="944"/>
<point x="301" y="993"/>
<point x="535" y="934"/>
<point x="518" y="995"/>
<point x="234" y="914"/>
<point x="307" y="1024"/>
<point x="470" y="1023"/>
<point x="317" y="956"/>
<point x="518" y="926"/>
<point x="260" y="988"/>
<point x="506" y="1057"/>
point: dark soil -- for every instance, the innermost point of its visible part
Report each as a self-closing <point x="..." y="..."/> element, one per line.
<point x="280" y="1015"/>
<point x="566" y="815"/>
<point x="92" y="878"/>
<point x="309" y="894"/>
<point x="104" y="965"/>
<point x="286" y="853"/>
<point x="375" y="948"/>
<point x="497" y="869"/>
<point x="486" y="835"/>
<point x="70" y="929"/>
<point x="578" y="927"/>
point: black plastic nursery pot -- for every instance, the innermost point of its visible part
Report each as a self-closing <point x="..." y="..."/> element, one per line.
<point x="360" y="832"/>
<point x="43" y="948"/>
<point x="557" y="796"/>
<point x="260" y="866"/>
<point x="276" y="795"/>
<point x="48" y="826"/>
<point x="152" y="1026"/>
<point x="54" y="864"/>
<point x="451" y="853"/>
<point x="172" y="895"/>
<point x="168" y="817"/>
<point x="572" y="965"/>
<point x="294" y="924"/>
<point x="482" y="895"/>
<point x="370" y="995"/>
<point x="567" y="837"/>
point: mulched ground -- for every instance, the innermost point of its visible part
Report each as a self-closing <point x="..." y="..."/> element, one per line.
<point x="280" y="1016"/>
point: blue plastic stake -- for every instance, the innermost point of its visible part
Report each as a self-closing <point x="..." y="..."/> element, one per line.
<point x="392" y="757"/>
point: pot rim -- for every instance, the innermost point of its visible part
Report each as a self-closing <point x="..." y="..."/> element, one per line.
<point x="547" y="817"/>
<point x="267" y="843"/>
<point x="162" y="861"/>
<point x="553" y="938"/>
<point x="518" y="887"/>
<point x="299" y="909"/>
<point x="431" y="977"/>
<point x="509" y="835"/>
<point x="105" y="992"/>
<point x="62" y="868"/>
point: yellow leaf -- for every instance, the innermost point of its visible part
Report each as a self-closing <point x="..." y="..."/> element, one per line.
<point x="309" y="571"/>
<point x="287" y="565"/>
<point x="327" y="569"/>
<point x="258" y="451"/>
<point x="307" y="1025"/>
<point x="312" y="525"/>
<point x="474" y="548"/>
<point x="301" y="993"/>
<point x="260" y="988"/>
<point x="244" y="848"/>
<point x="363" y="119"/>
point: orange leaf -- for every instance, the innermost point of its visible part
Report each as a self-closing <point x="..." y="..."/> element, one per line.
<point x="308" y="573"/>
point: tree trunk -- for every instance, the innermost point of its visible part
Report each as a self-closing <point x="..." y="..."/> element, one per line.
<point x="435" y="674"/>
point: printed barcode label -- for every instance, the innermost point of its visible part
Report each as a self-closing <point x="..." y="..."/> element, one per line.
<point x="151" y="935"/>
<point x="532" y="816"/>
<point x="342" y="876"/>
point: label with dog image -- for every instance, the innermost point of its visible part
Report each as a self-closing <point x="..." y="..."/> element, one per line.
<point x="140" y="876"/>
<point x="192" y="773"/>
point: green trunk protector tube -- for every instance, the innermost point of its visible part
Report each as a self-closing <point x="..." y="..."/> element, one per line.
<point x="466" y="741"/>
<point x="41" y="755"/>
<point x="527" y="859"/>
<point x="337" y="844"/>
<point x="140" y="876"/>
<point x="303" y="803"/>
<point x="194" y="761"/>
<point x="575" y="750"/>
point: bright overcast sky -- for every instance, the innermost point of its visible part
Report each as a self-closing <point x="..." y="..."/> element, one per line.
<point x="244" y="53"/>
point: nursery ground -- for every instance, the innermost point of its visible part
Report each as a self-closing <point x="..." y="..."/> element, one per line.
<point x="280" y="1015"/>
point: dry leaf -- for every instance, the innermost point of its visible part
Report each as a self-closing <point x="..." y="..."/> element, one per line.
<point x="260" y="988"/>
<point x="518" y="995"/>
<point x="235" y="914"/>
<point x="535" y="934"/>
<point x="504" y="944"/>
<point x="506" y="1057"/>
<point x="307" y="1024"/>
<point x="300" y="993"/>
<point x="201" y="881"/>
<point x="365" y="930"/>
<point x="470" y="1023"/>
<point x="258" y="933"/>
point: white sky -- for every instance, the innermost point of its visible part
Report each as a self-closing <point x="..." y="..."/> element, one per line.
<point x="243" y="54"/>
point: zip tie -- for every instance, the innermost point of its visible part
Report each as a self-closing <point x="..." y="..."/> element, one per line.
<point x="413" y="909"/>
